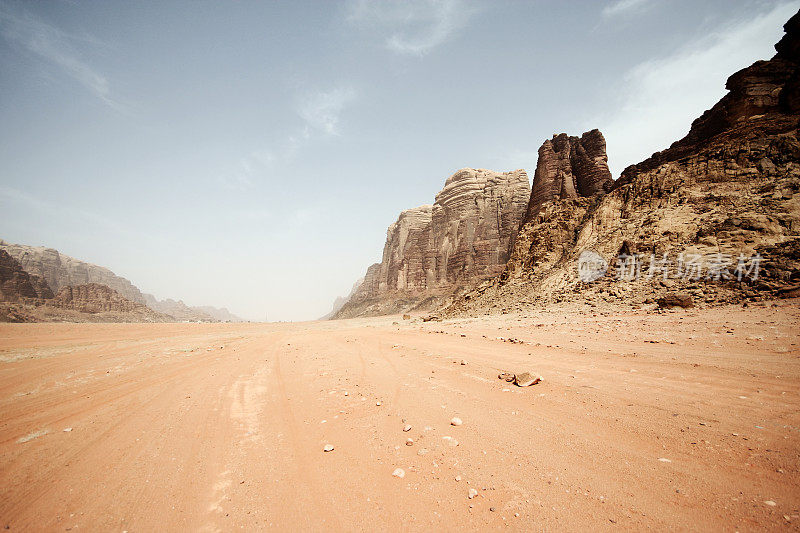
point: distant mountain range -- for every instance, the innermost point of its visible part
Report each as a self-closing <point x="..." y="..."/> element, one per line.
<point x="34" y="277"/>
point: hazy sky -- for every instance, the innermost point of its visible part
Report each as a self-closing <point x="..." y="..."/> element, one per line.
<point x="252" y="154"/>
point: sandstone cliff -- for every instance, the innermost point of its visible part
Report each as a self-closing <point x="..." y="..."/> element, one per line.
<point x="434" y="250"/>
<point x="94" y="298"/>
<point x="16" y="284"/>
<point x="59" y="270"/>
<point x="729" y="187"/>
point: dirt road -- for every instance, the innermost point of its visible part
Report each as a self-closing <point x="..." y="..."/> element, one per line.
<point x="685" y="420"/>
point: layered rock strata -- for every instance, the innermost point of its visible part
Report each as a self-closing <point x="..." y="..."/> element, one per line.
<point x="432" y="251"/>
<point x="730" y="188"/>
<point x="60" y="270"/>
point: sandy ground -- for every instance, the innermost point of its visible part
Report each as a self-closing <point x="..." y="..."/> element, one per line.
<point x="687" y="420"/>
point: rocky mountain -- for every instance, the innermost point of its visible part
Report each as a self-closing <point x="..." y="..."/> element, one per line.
<point x="432" y="251"/>
<point x="220" y="314"/>
<point x="96" y="298"/>
<point x="177" y="309"/>
<point x="27" y="298"/>
<point x="60" y="270"/>
<point x="16" y="284"/>
<point x="48" y="270"/>
<point x="184" y="313"/>
<point x="719" y="203"/>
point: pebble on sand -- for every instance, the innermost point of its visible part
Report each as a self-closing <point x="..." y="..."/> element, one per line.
<point x="771" y="503"/>
<point x="407" y="427"/>
<point x="328" y="448"/>
<point x="472" y="493"/>
<point x="664" y="460"/>
<point x="455" y="421"/>
<point x="67" y="430"/>
<point x="409" y="442"/>
<point x="378" y="404"/>
<point x="399" y="472"/>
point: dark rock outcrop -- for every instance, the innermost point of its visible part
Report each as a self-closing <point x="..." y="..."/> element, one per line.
<point x="763" y="100"/>
<point x="569" y="167"/>
<point x="16" y="284"/>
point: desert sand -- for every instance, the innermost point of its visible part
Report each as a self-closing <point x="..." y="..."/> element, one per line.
<point x="682" y="420"/>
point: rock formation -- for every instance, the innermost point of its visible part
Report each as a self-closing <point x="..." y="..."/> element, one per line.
<point x="59" y="270"/>
<point x="177" y="309"/>
<point x="432" y="251"/>
<point x="569" y="167"/>
<point x="39" y="271"/>
<point x="16" y="284"/>
<point x="220" y="314"/>
<point x="94" y="298"/>
<point x="729" y="187"/>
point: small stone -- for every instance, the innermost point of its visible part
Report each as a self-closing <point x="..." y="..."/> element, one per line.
<point x="455" y="421"/>
<point x="458" y="478"/>
<point x="771" y="503"/>
<point x="516" y="515"/>
<point x="664" y="460"/>
<point x="67" y="430"/>
<point x="407" y="427"/>
<point x="491" y="509"/>
<point x="378" y="404"/>
<point x="347" y="393"/>
<point x="328" y="448"/>
<point x="399" y="472"/>
<point x="409" y="442"/>
<point x="463" y="362"/>
<point x="472" y="493"/>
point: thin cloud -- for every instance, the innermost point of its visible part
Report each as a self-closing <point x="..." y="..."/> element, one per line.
<point x="625" y="7"/>
<point x="55" y="47"/>
<point x="321" y="110"/>
<point x="412" y="27"/>
<point x="658" y="99"/>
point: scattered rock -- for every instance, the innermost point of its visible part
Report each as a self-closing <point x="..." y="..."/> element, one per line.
<point x="526" y="379"/>
<point x="506" y="376"/>
<point x="771" y="503"/>
<point x="455" y="421"/>
<point x="675" y="299"/>
<point x="472" y="493"/>
<point x="409" y="442"/>
<point x="328" y="448"/>
<point x="463" y="362"/>
<point x="67" y="430"/>
<point x="664" y="460"/>
<point x="399" y="472"/>
<point x="407" y="427"/>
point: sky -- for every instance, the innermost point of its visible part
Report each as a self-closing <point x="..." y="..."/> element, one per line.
<point x="251" y="155"/>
